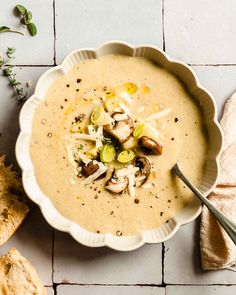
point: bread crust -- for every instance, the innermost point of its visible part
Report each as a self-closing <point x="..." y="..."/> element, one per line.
<point x="13" y="204"/>
<point x="18" y="276"/>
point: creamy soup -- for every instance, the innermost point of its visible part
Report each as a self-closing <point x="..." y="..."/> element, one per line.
<point x="105" y="138"/>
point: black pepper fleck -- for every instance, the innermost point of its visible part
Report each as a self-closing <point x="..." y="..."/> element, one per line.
<point x="62" y="107"/>
<point x="172" y="138"/>
<point x="65" y="99"/>
<point x="161" y="213"/>
<point x="176" y="119"/>
<point x="169" y="201"/>
<point x="136" y="201"/>
<point x="98" y="231"/>
<point x="78" y="80"/>
<point x="67" y="85"/>
<point x="118" y="233"/>
<point x="77" y="90"/>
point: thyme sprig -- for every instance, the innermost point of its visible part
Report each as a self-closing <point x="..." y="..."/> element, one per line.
<point x="4" y="29"/>
<point x="7" y="69"/>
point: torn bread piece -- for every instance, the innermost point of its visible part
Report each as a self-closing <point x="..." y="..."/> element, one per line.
<point x="228" y="122"/>
<point x="13" y="204"/>
<point x="18" y="276"/>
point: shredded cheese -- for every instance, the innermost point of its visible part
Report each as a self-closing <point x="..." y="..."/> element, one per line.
<point x="70" y="155"/>
<point x="99" y="137"/>
<point x="131" y="185"/>
<point x="126" y="171"/>
<point x="91" y="130"/>
<point x="120" y="117"/>
<point x="102" y="169"/>
<point x="141" y="109"/>
<point x="152" y="130"/>
<point x="81" y="156"/>
<point x="126" y="97"/>
<point x="147" y="185"/>
<point x="158" y="115"/>
<point x="124" y="108"/>
<point x="84" y="136"/>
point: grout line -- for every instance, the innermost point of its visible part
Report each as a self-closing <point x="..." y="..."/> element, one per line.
<point x="212" y="65"/>
<point x="138" y="285"/>
<point x="163" y="264"/>
<point x="163" y="27"/>
<point x="192" y="65"/>
<point x="108" y="285"/>
<point x="53" y="241"/>
<point x="33" y="66"/>
<point x="54" y="30"/>
<point x="54" y="286"/>
<point x="203" y="285"/>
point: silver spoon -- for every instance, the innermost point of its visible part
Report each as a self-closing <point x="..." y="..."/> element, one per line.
<point x="228" y="225"/>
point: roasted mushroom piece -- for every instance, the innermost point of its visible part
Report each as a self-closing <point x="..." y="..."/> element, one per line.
<point x="116" y="186"/>
<point x="150" y="145"/>
<point x="144" y="165"/>
<point x="90" y="169"/>
<point x="121" y="128"/>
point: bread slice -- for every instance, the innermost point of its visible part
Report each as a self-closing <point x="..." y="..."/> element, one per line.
<point x="18" y="276"/>
<point x="13" y="204"/>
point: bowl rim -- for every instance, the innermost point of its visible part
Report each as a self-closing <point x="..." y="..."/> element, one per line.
<point x="53" y="217"/>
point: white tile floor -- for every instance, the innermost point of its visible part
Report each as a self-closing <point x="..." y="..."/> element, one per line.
<point x="201" y="33"/>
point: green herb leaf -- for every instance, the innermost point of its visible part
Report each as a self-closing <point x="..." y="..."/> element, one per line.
<point x="28" y="17"/>
<point x="10" y="52"/>
<point x="7" y="70"/>
<point x="5" y="29"/>
<point x="21" y="9"/>
<point x="32" y="29"/>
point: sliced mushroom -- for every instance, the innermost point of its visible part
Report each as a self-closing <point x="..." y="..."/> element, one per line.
<point x="90" y="169"/>
<point x="116" y="184"/>
<point x="144" y="165"/>
<point x="121" y="128"/>
<point x="150" y="145"/>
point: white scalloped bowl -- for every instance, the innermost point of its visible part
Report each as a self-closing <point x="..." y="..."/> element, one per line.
<point x="165" y="231"/>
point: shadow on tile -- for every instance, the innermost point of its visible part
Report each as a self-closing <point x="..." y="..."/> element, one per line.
<point x="75" y="263"/>
<point x="9" y="130"/>
<point x="34" y="241"/>
<point x="82" y="252"/>
<point x="196" y="249"/>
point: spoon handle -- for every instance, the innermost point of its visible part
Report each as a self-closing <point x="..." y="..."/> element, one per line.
<point x="227" y="224"/>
